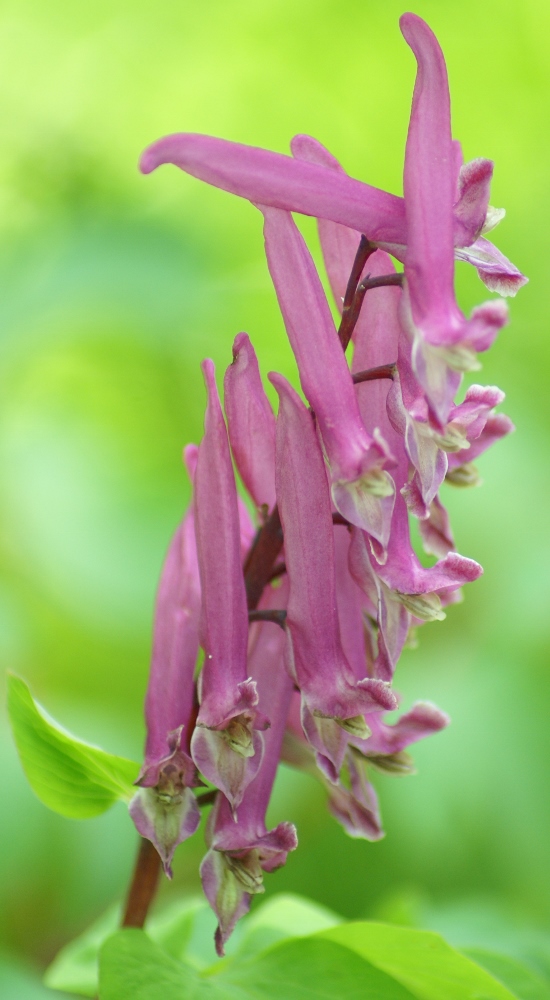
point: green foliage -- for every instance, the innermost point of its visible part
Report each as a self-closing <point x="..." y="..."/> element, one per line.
<point x="522" y="980"/>
<point x="421" y="960"/>
<point x="357" y="961"/>
<point x="71" y="777"/>
<point x="185" y="930"/>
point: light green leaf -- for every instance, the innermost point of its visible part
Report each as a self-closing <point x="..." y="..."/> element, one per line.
<point x="310" y="969"/>
<point x="421" y="960"/>
<point x="75" y="968"/>
<point x="525" y="983"/>
<point x="283" y="916"/>
<point x="132" y="967"/>
<point x="71" y="777"/>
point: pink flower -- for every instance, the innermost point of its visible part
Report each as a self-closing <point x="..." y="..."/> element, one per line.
<point x="226" y="745"/>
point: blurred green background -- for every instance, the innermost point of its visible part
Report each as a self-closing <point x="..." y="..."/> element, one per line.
<point x="113" y="287"/>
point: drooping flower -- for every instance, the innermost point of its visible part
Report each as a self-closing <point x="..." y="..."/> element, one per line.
<point x="444" y="344"/>
<point x="227" y="744"/>
<point x="278" y="181"/>
<point x="362" y="489"/>
<point x="240" y="852"/>
<point x="334" y="702"/>
<point x="164" y="808"/>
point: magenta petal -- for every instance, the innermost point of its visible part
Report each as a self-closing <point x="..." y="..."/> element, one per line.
<point x="251" y="423"/>
<point x="361" y="489"/>
<point x="470" y="210"/>
<point x="494" y="269"/>
<point x="435" y="530"/>
<point x="331" y="696"/>
<point x="496" y="427"/>
<point x="421" y="721"/>
<point x="225" y="738"/>
<point x="281" y="182"/>
<point x="165" y="820"/>
<point x="224" y="621"/>
<point x="356" y="808"/>
<point x="338" y="243"/>
<point x="227" y="897"/>
<point x="169" y="700"/>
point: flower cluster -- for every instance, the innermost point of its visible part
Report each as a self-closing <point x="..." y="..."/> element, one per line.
<point x="303" y="615"/>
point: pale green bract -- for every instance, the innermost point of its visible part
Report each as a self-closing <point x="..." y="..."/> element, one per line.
<point x="74" y="778"/>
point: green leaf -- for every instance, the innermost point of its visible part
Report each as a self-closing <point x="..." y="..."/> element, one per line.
<point x="176" y="928"/>
<point x="283" y="916"/>
<point x="525" y="983"/>
<point x="310" y="969"/>
<point x="71" y="777"/>
<point x="132" y="967"/>
<point x="421" y="960"/>
<point x="75" y="968"/>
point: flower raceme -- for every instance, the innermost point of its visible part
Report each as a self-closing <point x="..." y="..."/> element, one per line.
<point x="303" y="610"/>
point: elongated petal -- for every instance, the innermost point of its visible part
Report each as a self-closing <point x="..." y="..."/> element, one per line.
<point x="338" y="243"/>
<point x="170" y="692"/>
<point x="361" y="489"/>
<point x="350" y="606"/>
<point x="429" y="186"/>
<point x="279" y="181"/>
<point x="494" y="269"/>
<point x="444" y="343"/>
<point x="251" y="423"/>
<point x="333" y="702"/>
<point x="225" y="746"/>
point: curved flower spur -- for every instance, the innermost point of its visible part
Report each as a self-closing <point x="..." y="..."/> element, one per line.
<point x="303" y="615"/>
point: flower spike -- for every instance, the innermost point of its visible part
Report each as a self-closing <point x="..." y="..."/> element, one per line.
<point x="226" y="744"/>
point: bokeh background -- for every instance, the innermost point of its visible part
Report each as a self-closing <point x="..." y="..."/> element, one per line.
<point x="112" y="288"/>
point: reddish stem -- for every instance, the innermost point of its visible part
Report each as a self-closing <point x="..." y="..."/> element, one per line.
<point x="143" y="885"/>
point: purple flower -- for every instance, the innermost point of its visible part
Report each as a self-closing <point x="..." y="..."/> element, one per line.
<point x="278" y="181"/>
<point x="444" y="344"/>
<point x="164" y="809"/>
<point x="226" y="745"/>
<point x="361" y="488"/>
<point x="240" y="852"/>
<point x="251" y="424"/>
<point x="334" y="702"/>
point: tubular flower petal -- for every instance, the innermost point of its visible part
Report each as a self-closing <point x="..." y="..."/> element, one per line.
<point x="333" y="702"/>
<point x="277" y="180"/>
<point x="444" y="343"/>
<point x="240" y="852"/>
<point x="164" y="809"/>
<point x="226" y="744"/>
<point x="251" y="424"/>
<point x="361" y="488"/>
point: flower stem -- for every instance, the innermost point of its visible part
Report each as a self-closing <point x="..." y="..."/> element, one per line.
<point x="143" y="885"/>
